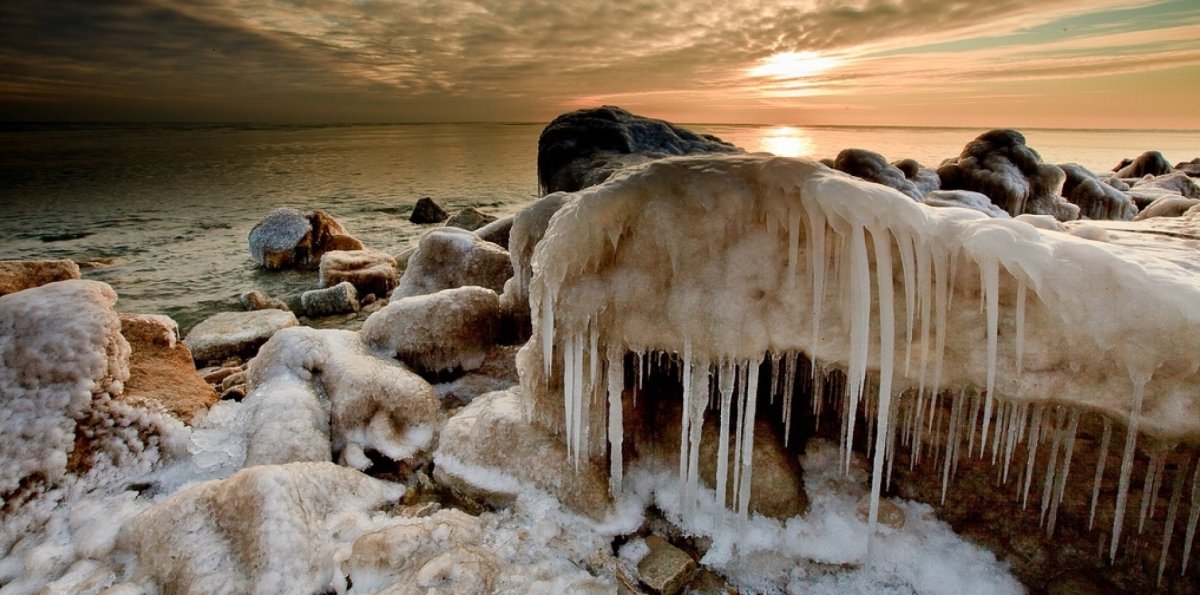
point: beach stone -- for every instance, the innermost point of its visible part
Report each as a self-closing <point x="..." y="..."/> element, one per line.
<point x="1095" y="199"/>
<point x="449" y="257"/>
<point x="16" y="275"/>
<point x="370" y="271"/>
<point x="496" y="232"/>
<point x="469" y="219"/>
<point x="965" y="199"/>
<point x="216" y="376"/>
<point x="999" y="164"/>
<point x="235" y="334"/>
<point x="427" y="211"/>
<point x="233" y="380"/>
<point x="890" y="513"/>
<point x="872" y="167"/>
<point x="289" y="238"/>
<point x="665" y="569"/>
<point x="339" y="299"/>
<point x="1177" y="182"/>
<point x="583" y="148"/>
<point x="1191" y="168"/>
<point x="257" y="300"/>
<point x="162" y="371"/>
<point x="447" y="330"/>
<point x="1149" y="163"/>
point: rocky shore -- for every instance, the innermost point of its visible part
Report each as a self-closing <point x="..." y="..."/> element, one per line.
<point x="682" y="369"/>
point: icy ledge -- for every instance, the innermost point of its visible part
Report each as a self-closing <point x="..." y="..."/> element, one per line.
<point x="730" y="261"/>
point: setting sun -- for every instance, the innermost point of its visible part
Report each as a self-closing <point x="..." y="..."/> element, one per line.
<point x="794" y="65"/>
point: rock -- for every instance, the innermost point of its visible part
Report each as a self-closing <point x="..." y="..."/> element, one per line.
<point x="1095" y="199"/>
<point x="257" y="300"/>
<point x="924" y="179"/>
<point x="469" y="219"/>
<point x="872" y="167"/>
<point x="233" y="380"/>
<point x="488" y="450"/>
<point x="427" y="211"/>
<point x="370" y="271"/>
<point x="288" y="238"/>
<point x="417" y="552"/>
<point x="234" y="393"/>
<point x="1149" y="163"/>
<point x="496" y="232"/>
<point x="450" y="257"/>
<point x="274" y="529"/>
<point x="1177" y="182"/>
<point x="450" y="329"/>
<point x="1000" y="165"/>
<point x="237" y="334"/>
<point x="665" y="569"/>
<point x="965" y="199"/>
<point x="216" y="376"/>
<point x="890" y="513"/>
<point x="162" y="371"/>
<point x="1191" y="168"/>
<point x="1170" y="205"/>
<point x="16" y="275"/>
<point x="583" y="148"/>
<point x="1046" y="222"/>
<point x="497" y="372"/>
<point x="339" y="299"/>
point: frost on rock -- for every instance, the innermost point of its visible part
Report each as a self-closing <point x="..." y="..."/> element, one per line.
<point x="450" y="257"/>
<point x="872" y="167"/>
<point x="448" y="330"/>
<point x="266" y="529"/>
<point x="727" y="262"/>
<point x="1095" y="199"/>
<point x="925" y="179"/>
<point x="965" y="199"/>
<point x="1000" y="165"/>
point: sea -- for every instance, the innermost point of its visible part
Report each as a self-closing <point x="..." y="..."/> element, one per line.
<point x="162" y="211"/>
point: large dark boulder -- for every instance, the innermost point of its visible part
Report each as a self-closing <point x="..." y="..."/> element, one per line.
<point x="1150" y="163"/>
<point x="872" y="167"/>
<point x="999" y="164"/>
<point x="583" y="148"/>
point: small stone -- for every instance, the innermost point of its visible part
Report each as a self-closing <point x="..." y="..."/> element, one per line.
<point x="235" y="393"/>
<point x="16" y="275"/>
<point x="339" y="299"/>
<point x="427" y="211"/>
<point x="469" y="219"/>
<point x="257" y="300"/>
<point x="215" y="377"/>
<point x="890" y="513"/>
<point x="233" y="380"/>
<point x="665" y="569"/>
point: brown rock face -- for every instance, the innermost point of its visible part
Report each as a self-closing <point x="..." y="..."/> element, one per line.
<point x="16" y="275"/>
<point x="161" y="370"/>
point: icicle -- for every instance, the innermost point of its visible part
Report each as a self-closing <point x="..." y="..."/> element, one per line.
<point x="1100" y="462"/>
<point x="743" y="373"/>
<point x="594" y="387"/>
<point x="747" y="461"/>
<point x="971" y="427"/>
<point x="887" y="345"/>
<point x="1169" y="528"/>
<point x="1072" y="428"/>
<point x="816" y="224"/>
<point x="698" y="405"/>
<point x="860" y="328"/>
<point x="956" y="439"/>
<point x="789" y="388"/>
<point x="942" y="296"/>
<point x="1020" y="413"/>
<point x="990" y="272"/>
<point x="1020" y="324"/>
<point x="1139" y="386"/>
<point x="793" y="245"/>
<point x="952" y="439"/>
<point x="685" y="415"/>
<point x="548" y="330"/>
<point x="925" y="292"/>
<point x="569" y="396"/>
<point x="1031" y="446"/>
<point x="908" y="267"/>
<point x="1051" y="465"/>
<point x="616" y="425"/>
<point x="1150" y="486"/>
<point x="1192" y="518"/>
<point x="726" y="384"/>
<point x="1000" y="427"/>
<point x="579" y="406"/>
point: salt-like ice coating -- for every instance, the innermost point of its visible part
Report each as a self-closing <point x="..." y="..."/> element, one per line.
<point x="734" y="260"/>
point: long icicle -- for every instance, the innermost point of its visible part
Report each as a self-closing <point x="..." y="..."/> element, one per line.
<point x="747" y="462"/>
<point x="569" y="395"/>
<point x="616" y="425"/>
<point x="887" y="346"/>
<point x="685" y="414"/>
<point x="1169" y="527"/>
<point x="1051" y="465"/>
<point x="1072" y="429"/>
<point x="696" y="427"/>
<point x="990" y="272"/>
<point x="1192" y="518"/>
<point x="860" y="330"/>
<point x="1150" y="486"/>
<point x="726" y="386"/>
<point x="1139" y="387"/>
<point x="1032" y="446"/>
<point x="1100" y="463"/>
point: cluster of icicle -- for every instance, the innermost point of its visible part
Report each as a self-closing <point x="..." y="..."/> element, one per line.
<point x="840" y="237"/>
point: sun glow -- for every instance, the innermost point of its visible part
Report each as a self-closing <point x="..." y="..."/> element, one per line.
<point x="786" y="141"/>
<point x="794" y="65"/>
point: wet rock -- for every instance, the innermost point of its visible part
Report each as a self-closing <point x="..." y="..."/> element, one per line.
<point x="1095" y="199"/>
<point x="999" y="164"/>
<point x="583" y="148"/>
<point x="447" y="330"/>
<point x="665" y="569"/>
<point x="1149" y="163"/>
<point x="16" y="275"/>
<point x="257" y="300"/>
<point x="967" y="200"/>
<point x="289" y="238"/>
<point x="339" y="299"/>
<point x="235" y="333"/>
<point x="427" y="211"/>
<point x="370" y="271"/>
<point x="890" y="513"/>
<point x="162" y="372"/>
<point x="469" y="219"/>
<point x="496" y="232"/>
<point x="1191" y="168"/>
<point x="450" y="257"/>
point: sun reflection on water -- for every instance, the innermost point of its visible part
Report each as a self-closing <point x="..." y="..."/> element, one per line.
<point x="786" y="141"/>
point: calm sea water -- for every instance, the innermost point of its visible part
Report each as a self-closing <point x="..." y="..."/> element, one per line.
<point x="165" y="210"/>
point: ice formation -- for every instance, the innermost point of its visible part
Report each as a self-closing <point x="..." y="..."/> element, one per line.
<point x="1095" y="199"/>
<point x="728" y="262"/>
<point x="999" y="164"/>
<point x="965" y="199"/>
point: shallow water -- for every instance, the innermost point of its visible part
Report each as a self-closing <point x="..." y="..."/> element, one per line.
<point x="166" y="209"/>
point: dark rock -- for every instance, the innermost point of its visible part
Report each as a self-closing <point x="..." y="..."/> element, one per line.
<point x="427" y="211"/>
<point x="583" y="148"/>
<point x="1150" y="163"/>
<point x="469" y="219"/>
<point x="925" y="179"/>
<point x="872" y="167"/>
<point x="236" y="393"/>
<point x="1191" y="168"/>
<point x="339" y="299"/>
<point x="999" y="164"/>
<point x="1095" y="199"/>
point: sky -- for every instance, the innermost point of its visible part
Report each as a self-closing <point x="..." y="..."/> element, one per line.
<point x="1016" y="63"/>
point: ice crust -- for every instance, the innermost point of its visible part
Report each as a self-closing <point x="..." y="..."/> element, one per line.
<point x="729" y="261"/>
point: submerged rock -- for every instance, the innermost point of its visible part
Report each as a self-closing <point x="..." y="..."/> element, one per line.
<point x="1150" y="163"/>
<point x="450" y="257"/>
<point x="338" y="299"/>
<point x="1000" y="165"/>
<point x="427" y="211"/>
<point x="257" y="300"/>
<point x="16" y="275"/>
<point x="289" y="238"/>
<point x="469" y="219"/>
<point x="235" y="334"/>
<point x="585" y="147"/>
<point x="370" y="271"/>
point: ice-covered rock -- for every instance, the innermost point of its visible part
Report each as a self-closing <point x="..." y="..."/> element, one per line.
<point x="16" y="275"/>
<point x="528" y="228"/>
<point x="872" y="167"/>
<point x="1191" y="168"/>
<point x="162" y="372"/>
<point x="1000" y="165"/>
<point x="371" y="271"/>
<point x="583" y="148"/>
<point x="490" y="451"/>
<point x="451" y="257"/>
<point x="447" y="330"/>
<point x="1177" y="182"/>
<point x="427" y="211"/>
<point x="267" y="529"/>
<point x="442" y="551"/>
<point x="257" y="300"/>
<point x="337" y="299"/>
<point x="288" y="238"/>
<point x="1167" y="205"/>
<point x="1095" y="199"/>
<point x="925" y="179"/>
<point x="469" y="219"/>
<point x="239" y="334"/>
<point x="965" y="199"/>
<point x="496" y="232"/>
<point x="1150" y="163"/>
